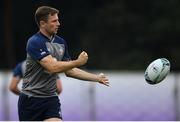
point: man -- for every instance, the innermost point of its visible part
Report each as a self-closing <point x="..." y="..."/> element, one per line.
<point x="47" y="55"/>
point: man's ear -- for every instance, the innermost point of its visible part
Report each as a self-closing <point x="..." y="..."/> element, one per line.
<point x="42" y="23"/>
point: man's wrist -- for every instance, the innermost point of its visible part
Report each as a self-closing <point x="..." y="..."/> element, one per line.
<point x="98" y="79"/>
<point x="76" y="63"/>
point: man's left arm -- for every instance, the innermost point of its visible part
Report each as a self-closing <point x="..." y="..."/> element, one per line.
<point x="13" y="86"/>
<point x="83" y="75"/>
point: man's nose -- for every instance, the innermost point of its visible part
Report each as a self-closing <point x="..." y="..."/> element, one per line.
<point x="59" y="23"/>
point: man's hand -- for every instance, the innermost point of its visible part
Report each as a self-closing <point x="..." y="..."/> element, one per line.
<point x="82" y="59"/>
<point x="103" y="79"/>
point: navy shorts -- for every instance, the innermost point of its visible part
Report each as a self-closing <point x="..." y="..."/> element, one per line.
<point x="38" y="109"/>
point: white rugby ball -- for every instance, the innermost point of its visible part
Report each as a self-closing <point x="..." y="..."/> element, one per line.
<point x="157" y="71"/>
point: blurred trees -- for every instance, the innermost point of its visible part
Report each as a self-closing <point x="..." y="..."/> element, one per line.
<point x="127" y="34"/>
<point x="117" y="34"/>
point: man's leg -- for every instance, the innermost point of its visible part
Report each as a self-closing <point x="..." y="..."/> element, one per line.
<point x="53" y="109"/>
<point x="53" y="119"/>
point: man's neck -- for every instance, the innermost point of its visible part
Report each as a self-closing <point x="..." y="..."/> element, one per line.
<point x="46" y="34"/>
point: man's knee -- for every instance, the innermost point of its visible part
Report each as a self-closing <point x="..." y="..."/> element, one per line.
<point x="53" y="119"/>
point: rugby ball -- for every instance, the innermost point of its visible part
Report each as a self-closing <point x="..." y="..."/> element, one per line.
<point x="157" y="71"/>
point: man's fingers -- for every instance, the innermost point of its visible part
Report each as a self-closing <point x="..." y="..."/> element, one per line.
<point x="107" y="84"/>
<point x="101" y="74"/>
<point x="104" y="79"/>
<point x="84" y="53"/>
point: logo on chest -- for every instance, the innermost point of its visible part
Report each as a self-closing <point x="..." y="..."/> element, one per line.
<point x="57" y="50"/>
<point x="61" y="51"/>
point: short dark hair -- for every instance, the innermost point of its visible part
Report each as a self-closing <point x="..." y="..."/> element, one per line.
<point x="43" y="12"/>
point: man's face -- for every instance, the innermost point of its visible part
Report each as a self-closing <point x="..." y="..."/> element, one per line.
<point x="52" y="25"/>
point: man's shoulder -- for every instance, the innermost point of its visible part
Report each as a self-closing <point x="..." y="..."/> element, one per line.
<point x="35" y="39"/>
<point x="59" y="39"/>
<point x="17" y="70"/>
<point x="18" y="65"/>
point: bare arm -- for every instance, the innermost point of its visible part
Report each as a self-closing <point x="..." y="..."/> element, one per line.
<point x="14" y="85"/>
<point x="59" y="86"/>
<point x="54" y="66"/>
<point x="83" y="75"/>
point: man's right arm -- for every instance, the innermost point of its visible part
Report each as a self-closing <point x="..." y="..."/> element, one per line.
<point x="54" y="66"/>
<point x="13" y="87"/>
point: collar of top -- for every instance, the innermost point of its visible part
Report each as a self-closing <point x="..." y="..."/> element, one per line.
<point x="50" y="40"/>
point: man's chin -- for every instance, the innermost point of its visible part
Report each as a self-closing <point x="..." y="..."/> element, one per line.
<point x="54" y="33"/>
